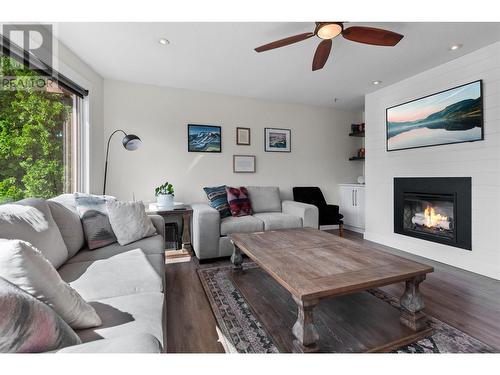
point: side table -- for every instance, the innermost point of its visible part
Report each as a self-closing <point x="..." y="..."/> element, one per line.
<point x="185" y="211"/>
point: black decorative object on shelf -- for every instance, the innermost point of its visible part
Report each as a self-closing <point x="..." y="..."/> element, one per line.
<point x="357" y="134"/>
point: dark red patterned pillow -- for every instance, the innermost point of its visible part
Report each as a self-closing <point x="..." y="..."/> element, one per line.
<point x="239" y="204"/>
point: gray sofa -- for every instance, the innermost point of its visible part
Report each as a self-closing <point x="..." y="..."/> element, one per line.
<point x="209" y="231"/>
<point x="125" y="284"/>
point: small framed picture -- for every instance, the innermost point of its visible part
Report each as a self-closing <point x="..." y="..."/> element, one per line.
<point x="277" y="140"/>
<point x="243" y="136"/>
<point x="204" y="138"/>
<point x="244" y="163"/>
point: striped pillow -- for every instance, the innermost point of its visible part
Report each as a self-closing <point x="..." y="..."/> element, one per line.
<point x="218" y="199"/>
<point x="28" y="325"/>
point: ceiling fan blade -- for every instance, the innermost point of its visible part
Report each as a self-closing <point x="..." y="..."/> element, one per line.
<point x="321" y="54"/>
<point x="284" y="42"/>
<point x="371" y="35"/>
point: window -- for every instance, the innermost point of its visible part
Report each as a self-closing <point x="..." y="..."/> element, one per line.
<point x="39" y="134"/>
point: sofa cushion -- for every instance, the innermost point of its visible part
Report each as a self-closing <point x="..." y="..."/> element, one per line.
<point x="122" y="274"/>
<point x="69" y="225"/>
<point x="239" y="204"/>
<point x="278" y="220"/>
<point x="127" y="315"/>
<point x="96" y="226"/>
<point x="243" y="224"/>
<point x="138" y="343"/>
<point x="129" y="221"/>
<point x="28" y="325"/>
<point x="218" y="199"/>
<point x="26" y="267"/>
<point x="264" y="198"/>
<point x="150" y="245"/>
<point x="30" y="220"/>
<point x="67" y="200"/>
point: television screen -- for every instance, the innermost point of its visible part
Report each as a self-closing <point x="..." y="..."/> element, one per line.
<point x="451" y="116"/>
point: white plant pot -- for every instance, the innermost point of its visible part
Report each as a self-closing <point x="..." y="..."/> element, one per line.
<point x="165" y="201"/>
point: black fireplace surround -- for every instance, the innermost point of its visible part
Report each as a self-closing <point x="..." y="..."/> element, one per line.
<point x="436" y="209"/>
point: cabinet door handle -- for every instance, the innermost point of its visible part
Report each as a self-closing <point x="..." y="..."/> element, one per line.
<point x="356" y="197"/>
<point x="352" y="196"/>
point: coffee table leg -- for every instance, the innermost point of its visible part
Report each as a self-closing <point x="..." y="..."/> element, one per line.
<point x="186" y="237"/>
<point x="237" y="258"/>
<point x="412" y="305"/>
<point x="304" y="330"/>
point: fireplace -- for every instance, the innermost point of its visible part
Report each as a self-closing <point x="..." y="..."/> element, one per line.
<point x="436" y="209"/>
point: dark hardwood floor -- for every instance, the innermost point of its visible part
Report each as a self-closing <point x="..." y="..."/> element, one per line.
<point x="463" y="299"/>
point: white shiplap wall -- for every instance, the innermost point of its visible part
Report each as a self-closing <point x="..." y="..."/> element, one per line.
<point x="479" y="160"/>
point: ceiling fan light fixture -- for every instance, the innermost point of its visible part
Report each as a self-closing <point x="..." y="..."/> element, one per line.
<point x="329" y="30"/>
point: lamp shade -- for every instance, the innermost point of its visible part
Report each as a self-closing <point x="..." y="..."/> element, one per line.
<point x="131" y="142"/>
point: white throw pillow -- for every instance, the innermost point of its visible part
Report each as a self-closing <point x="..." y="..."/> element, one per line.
<point x="129" y="221"/>
<point x="25" y="266"/>
<point x="31" y="220"/>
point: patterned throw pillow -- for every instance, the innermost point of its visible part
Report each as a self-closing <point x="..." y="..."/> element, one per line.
<point x="238" y="201"/>
<point x="218" y="199"/>
<point x="25" y="266"/>
<point x="28" y="325"/>
<point x="95" y="220"/>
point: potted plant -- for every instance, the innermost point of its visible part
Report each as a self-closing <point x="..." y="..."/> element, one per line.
<point x="165" y="195"/>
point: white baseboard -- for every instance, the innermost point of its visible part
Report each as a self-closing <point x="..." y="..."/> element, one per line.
<point x="354" y="229"/>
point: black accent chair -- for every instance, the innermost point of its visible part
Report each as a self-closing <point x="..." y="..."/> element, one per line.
<point x="328" y="213"/>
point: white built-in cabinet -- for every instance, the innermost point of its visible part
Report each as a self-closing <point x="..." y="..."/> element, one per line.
<point x="352" y="206"/>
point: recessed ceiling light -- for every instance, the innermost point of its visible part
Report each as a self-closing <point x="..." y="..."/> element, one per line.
<point x="163" y="41"/>
<point x="377" y="82"/>
<point x="454" y="47"/>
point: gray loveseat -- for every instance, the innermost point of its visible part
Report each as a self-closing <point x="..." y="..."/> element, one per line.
<point x="209" y="232"/>
<point x="125" y="284"/>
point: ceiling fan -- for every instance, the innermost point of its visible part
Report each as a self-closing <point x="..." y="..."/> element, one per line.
<point x="329" y="30"/>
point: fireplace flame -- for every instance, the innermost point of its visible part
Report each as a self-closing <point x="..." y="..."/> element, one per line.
<point x="431" y="219"/>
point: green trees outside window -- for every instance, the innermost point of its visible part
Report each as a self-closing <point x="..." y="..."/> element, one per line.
<point x="35" y="136"/>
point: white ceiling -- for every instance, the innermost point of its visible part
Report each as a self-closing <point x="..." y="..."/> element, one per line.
<point x="219" y="57"/>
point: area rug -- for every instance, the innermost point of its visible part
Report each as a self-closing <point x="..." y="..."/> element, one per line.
<point x="241" y="332"/>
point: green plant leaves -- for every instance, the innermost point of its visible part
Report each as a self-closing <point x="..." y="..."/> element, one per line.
<point x="166" y="188"/>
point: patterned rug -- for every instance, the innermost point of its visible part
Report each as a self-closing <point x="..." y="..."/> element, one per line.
<point x="241" y="332"/>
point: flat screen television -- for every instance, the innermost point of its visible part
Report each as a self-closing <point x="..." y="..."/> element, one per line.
<point x="451" y="116"/>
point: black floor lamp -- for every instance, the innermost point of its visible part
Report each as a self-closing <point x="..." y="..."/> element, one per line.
<point x="131" y="142"/>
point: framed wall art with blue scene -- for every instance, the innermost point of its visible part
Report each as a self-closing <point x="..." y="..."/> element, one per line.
<point x="204" y="138"/>
<point x="277" y="140"/>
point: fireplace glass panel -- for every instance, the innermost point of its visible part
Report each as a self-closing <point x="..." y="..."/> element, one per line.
<point x="430" y="214"/>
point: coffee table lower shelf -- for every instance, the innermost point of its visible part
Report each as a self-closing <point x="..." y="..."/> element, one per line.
<point x="355" y="323"/>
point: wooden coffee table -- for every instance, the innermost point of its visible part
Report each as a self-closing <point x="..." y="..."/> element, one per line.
<point x="313" y="265"/>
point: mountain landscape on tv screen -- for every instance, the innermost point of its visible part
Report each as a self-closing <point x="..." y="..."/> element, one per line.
<point x="463" y="115"/>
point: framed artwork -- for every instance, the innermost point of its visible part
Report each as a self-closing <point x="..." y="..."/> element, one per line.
<point x="451" y="116"/>
<point x="277" y="140"/>
<point x="204" y="138"/>
<point x="243" y="163"/>
<point x="243" y="136"/>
